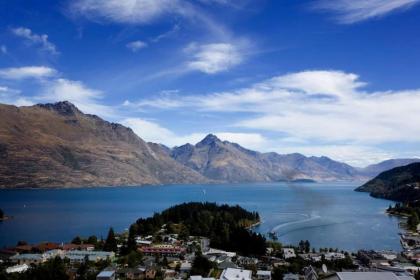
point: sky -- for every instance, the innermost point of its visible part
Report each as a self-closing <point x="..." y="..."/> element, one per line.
<point x="322" y="78"/>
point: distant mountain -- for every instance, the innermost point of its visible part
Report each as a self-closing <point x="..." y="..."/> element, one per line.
<point x="400" y="184"/>
<point x="375" y="169"/>
<point x="56" y="145"/>
<point x="225" y="161"/>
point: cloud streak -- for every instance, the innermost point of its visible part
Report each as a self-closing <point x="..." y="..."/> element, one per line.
<point x="352" y="11"/>
<point x="323" y="106"/>
<point x="36" y="39"/>
<point x="27" y="72"/>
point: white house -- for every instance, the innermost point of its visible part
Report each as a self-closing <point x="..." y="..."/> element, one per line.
<point x="236" y="274"/>
<point x="289" y="253"/>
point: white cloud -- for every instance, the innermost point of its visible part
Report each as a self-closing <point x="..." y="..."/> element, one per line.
<point x="351" y="11"/>
<point x="313" y="106"/>
<point x="136" y="45"/>
<point x="13" y="97"/>
<point x="85" y="98"/>
<point x="3" y="49"/>
<point x="33" y="38"/>
<point x="213" y="58"/>
<point x="128" y="11"/>
<point x="19" y="73"/>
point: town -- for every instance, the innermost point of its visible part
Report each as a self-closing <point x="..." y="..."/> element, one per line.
<point x="165" y="255"/>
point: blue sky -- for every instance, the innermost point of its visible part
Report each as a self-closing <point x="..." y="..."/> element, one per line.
<point x="336" y="78"/>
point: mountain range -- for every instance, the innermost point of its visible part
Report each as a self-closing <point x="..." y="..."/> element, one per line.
<point x="57" y="145"/>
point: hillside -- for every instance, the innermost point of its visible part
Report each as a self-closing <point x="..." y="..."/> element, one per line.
<point x="56" y="145"/>
<point x="400" y="184"/>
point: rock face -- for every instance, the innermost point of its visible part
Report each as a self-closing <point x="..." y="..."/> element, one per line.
<point x="56" y="145"/>
<point x="400" y="184"/>
<point x="225" y="161"/>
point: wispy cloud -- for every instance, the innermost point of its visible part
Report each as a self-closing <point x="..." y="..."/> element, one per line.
<point x="135" y="46"/>
<point x="3" y="49"/>
<point x="213" y="58"/>
<point x="352" y="11"/>
<point x="128" y="11"/>
<point x="152" y="131"/>
<point x="27" y="72"/>
<point x="323" y="106"/>
<point x="36" y="39"/>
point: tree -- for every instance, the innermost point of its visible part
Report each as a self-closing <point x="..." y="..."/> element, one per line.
<point x="92" y="240"/>
<point x="413" y="220"/>
<point x="51" y="270"/>
<point x="111" y="242"/>
<point x="201" y="266"/>
<point x="77" y="240"/>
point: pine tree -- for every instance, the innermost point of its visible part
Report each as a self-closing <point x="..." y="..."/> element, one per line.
<point x="111" y="242"/>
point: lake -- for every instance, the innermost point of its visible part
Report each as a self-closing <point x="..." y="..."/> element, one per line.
<point x="327" y="214"/>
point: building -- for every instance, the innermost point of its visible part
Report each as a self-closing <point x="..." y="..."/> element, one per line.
<point x="291" y="276"/>
<point x="264" y="275"/>
<point x="94" y="256"/>
<point x="309" y="273"/>
<point x="17" y="268"/>
<point x="28" y="259"/>
<point x="199" y="277"/>
<point x="106" y="275"/>
<point x="236" y="274"/>
<point x="289" y="253"/>
<point x="367" y="276"/>
<point x="162" y="249"/>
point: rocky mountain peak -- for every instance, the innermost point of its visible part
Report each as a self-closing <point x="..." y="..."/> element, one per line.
<point x="208" y="140"/>
<point x="64" y="108"/>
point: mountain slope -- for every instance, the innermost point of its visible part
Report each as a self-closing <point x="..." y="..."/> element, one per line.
<point x="56" y="145"/>
<point x="225" y="161"/>
<point x="375" y="169"/>
<point x="400" y="183"/>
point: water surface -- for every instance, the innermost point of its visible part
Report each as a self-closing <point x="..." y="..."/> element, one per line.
<point x="328" y="215"/>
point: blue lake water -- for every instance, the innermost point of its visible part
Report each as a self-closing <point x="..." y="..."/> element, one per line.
<point x="328" y="215"/>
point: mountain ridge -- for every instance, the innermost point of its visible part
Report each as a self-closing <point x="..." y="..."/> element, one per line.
<point x="400" y="184"/>
<point x="57" y="145"/>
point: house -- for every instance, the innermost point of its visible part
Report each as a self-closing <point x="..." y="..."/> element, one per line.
<point x="185" y="267"/>
<point x="106" y="275"/>
<point x="289" y="253"/>
<point x="236" y="274"/>
<point x="94" y="256"/>
<point x="162" y="249"/>
<point x="17" y="268"/>
<point x="28" y="259"/>
<point x="80" y="247"/>
<point x="331" y="256"/>
<point x="291" y="276"/>
<point x="367" y="276"/>
<point x="263" y="275"/>
<point x="46" y="246"/>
